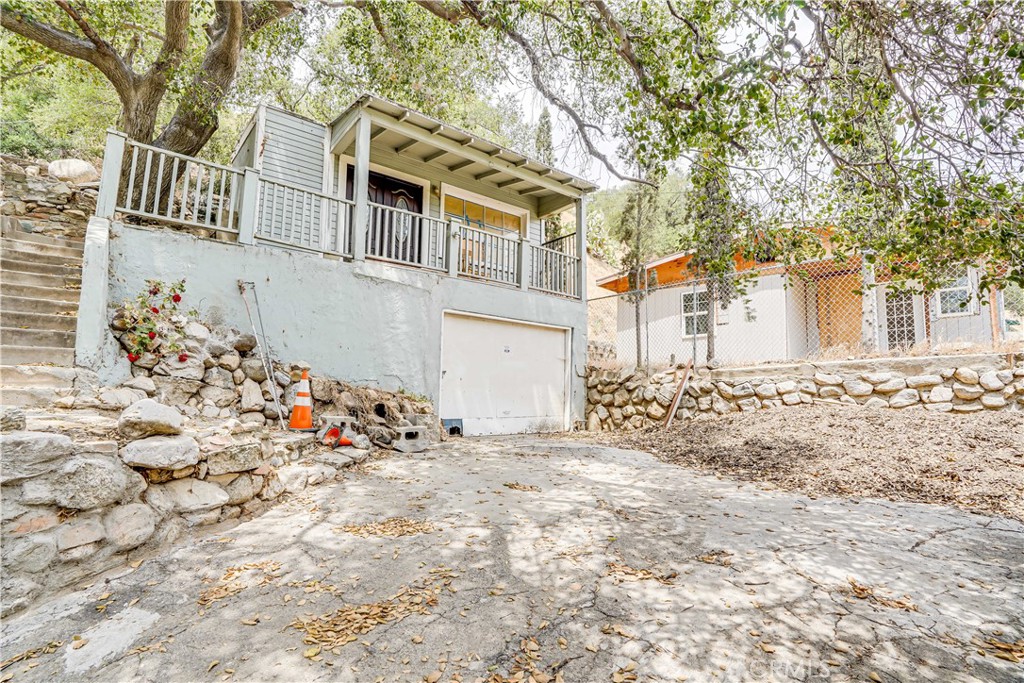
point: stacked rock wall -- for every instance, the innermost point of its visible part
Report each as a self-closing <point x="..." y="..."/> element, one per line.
<point x="72" y="508"/>
<point x="43" y="203"/>
<point x="631" y="400"/>
<point x="224" y="377"/>
<point x="194" y="443"/>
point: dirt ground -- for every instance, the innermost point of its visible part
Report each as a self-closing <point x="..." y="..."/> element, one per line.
<point x="973" y="462"/>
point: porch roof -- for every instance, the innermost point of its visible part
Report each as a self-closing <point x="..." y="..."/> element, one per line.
<point x="421" y="139"/>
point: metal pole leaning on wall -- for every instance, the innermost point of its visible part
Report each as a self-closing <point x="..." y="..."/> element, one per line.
<point x="261" y="346"/>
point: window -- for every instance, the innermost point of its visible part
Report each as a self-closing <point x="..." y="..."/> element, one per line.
<point x="900" y="320"/>
<point x="955" y="298"/>
<point x="695" y="313"/>
<point x="477" y="215"/>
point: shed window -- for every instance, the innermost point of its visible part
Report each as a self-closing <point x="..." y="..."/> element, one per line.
<point x="695" y="313"/>
<point x="955" y="298"/>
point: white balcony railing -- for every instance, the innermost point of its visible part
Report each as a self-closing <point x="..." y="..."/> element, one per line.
<point x="175" y="188"/>
<point x="487" y="255"/>
<point x="554" y="272"/>
<point x="159" y="186"/>
<point x="406" y="237"/>
<point x="293" y="216"/>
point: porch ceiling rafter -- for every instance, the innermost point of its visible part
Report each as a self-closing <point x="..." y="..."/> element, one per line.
<point x="446" y="145"/>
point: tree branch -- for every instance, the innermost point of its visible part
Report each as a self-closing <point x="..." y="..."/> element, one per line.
<point x="95" y="51"/>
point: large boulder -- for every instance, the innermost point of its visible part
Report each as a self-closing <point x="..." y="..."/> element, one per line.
<point x="193" y="367"/>
<point x="252" y="396"/>
<point x="222" y="398"/>
<point x="241" y="489"/>
<point x="148" y="418"/>
<point x="175" y="391"/>
<point x="186" y="495"/>
<point x="74" y="170"/>
<point x="162" y="452"/>
<point x="254" y="369"/>
<point x="128" y="526"/>
<point x="29" y="454"/>
<point x="12" y="419"/>
<point x="93" y="482"/>
<point x="235" y="458"/>
<point x="32" y="553"/>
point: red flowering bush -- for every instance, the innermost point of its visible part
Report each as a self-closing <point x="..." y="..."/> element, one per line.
<point x="153" y="323"/>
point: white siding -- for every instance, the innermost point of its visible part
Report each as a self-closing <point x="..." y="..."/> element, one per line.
<point x="756" y="329"/>
<point x="293" y="149"/>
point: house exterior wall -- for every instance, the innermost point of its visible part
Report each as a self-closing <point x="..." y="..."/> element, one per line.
<point x="375" y="323"/>
<point x="437" y="179"/>
<point x="292" y="149"/>
<point x="753" y="328"/>
<point x="973" y="327"/>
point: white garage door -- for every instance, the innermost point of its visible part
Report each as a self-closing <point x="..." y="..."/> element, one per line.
<point x="503" y="377"/>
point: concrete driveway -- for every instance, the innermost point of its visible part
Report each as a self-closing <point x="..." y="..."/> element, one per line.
<point x="558" y="558"/>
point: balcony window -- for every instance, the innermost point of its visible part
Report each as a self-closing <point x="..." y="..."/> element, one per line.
<point x="480" y="216"/>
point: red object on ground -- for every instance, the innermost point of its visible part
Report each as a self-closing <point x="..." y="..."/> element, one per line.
<point x="344" y="441"/>
<point x="176" y="298"/>
<point x="132" y="357"/>
<point x="152" y="335"/>
<point x="182" y="357"/>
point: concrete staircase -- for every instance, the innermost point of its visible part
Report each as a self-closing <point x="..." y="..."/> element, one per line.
<point x="40" y="279"/>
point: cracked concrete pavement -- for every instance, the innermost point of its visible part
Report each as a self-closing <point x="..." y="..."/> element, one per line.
<point x="614" y="558"/>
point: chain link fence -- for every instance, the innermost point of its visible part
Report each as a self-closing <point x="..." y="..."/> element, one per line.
<point x="823" y="310"/>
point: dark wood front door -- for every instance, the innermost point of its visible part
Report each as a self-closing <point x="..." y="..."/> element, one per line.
<point x="390" y="234"/>
<point x="388" y="191"/>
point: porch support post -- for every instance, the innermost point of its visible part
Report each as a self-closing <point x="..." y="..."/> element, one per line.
<point x="868" y="304"/>
<point x="247" y="207"/>
<point x="453" y="249"/>
<point x="581" y="248"/>
<point x="525" y="263"/>
<point x="361" y="186"/>
<point x="110" y="178"/>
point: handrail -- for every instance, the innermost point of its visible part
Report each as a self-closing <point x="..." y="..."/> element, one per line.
<point x="161" y="179"/>
<point x="488" y="255"/>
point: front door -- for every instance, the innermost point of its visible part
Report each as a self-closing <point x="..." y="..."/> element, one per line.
<point x="394" y="235"/>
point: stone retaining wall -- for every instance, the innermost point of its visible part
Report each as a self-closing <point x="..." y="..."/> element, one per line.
<point x="631" y="400"/>
<point x="43" y="203"/>
<point x="194" y="443"/>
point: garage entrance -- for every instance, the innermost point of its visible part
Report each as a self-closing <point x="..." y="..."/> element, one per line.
<point x="502" y="376"/>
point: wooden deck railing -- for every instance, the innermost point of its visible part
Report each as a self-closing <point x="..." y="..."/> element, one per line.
<point x="156" y="185"/>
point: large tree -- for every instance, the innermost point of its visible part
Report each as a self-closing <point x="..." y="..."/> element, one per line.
<point x="760" y="76"/>
<point x="144" y="58"/>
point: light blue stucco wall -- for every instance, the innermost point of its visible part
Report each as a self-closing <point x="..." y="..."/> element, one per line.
<point x="363" y="322"/>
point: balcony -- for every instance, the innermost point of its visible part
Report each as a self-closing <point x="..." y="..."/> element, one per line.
<point x="159" y="187"/>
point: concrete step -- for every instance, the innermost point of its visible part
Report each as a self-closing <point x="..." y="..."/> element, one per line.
<point x="26" y="236"/>
<point x="44" y="322"/>
<point x="17" y="277"/>
<point x="28" y="397"/>
<point x="16" y="336"/>
<point x="41" y="248"/>
<point x="36" y="355"/>
<point x="37" y="376"/>
<point x="51" y="293"/>
<point x="12" y="253"/>
<point x="10" y="305"/>
<point x="23" y="266"/>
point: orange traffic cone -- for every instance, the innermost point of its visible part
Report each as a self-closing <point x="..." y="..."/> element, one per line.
<point x="302" y="411"/>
